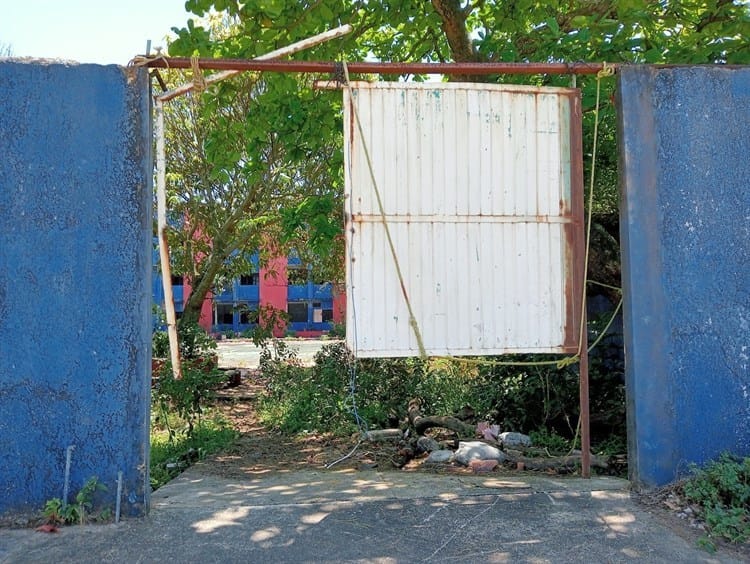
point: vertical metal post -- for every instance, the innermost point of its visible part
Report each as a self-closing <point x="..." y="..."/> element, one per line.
<point x="66" y="480"/>
<point x="118" y="500"/>
<point x="584" y="401"/>
<point x="166" y="270"/>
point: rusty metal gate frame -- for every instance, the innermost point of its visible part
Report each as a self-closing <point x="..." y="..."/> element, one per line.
<point x="576" y="236"/>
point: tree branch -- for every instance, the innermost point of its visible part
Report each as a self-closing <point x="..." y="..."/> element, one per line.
<point x="454" y="27"/>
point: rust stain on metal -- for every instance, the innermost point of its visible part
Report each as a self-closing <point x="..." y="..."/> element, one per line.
<point x="575" y="233"/>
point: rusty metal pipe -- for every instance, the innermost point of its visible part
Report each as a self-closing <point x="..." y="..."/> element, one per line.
<point x="379" y="67"/>
<point x="584" y="404"/>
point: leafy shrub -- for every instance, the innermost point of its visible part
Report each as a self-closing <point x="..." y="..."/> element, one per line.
<point x="525" y="398"/>
<point x="187" y="396"/>
<point x="172" y="453"/>
<point x="554" y="443"/>
<point x="337" y="331"/>
<point x="295" y="401"/>
<point x="57" y="512"/>
<point x="195" y="342"/>
<point x="543" y="399"/>
<point x="193" y="339"/>
<point x="160" y="344"/>
<point x="320" y="397"/>
<point x="721" y="491"/>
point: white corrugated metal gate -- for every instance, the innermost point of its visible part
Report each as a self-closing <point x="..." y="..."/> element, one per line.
<point x="481" y="188"/>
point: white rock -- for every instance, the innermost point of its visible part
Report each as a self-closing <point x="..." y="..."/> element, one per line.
<point x="511" y="440"/>
<point x="439" y="457"/>
<point x="427" y="444"/>
<point x="477" y="450"/>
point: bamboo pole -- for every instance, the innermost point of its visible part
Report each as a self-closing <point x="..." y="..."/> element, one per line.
<point x="281" y="52"/>
<point x="161" y="216"/>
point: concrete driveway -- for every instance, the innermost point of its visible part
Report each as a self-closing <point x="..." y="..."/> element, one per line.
<point x="388" y="517"/>
<point x="242" y="353"/>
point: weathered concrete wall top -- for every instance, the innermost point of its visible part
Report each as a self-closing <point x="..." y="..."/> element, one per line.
<point x="75" y="266"/>
<point x="685" y="147"/>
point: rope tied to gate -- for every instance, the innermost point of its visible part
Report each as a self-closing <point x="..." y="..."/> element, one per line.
<point x="144" y="60"/>
<point x="199" y="82"/>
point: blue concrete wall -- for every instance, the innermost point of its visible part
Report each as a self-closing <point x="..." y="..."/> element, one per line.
<point x="75" y="217"/>
<point x="685" y="226"/>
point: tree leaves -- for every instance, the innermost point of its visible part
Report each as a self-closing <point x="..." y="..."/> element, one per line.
<point x="268" y="146"/>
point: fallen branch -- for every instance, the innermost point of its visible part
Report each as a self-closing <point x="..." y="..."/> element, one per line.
<point x="422" y="424"/>
<point x="557" y="463"/>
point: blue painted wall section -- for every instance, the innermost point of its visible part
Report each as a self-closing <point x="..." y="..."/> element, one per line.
<point x="685" y="226"/>
<point x="75" y="217"/>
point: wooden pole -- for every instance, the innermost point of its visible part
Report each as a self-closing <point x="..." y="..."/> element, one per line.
<point x="161" y="215"/>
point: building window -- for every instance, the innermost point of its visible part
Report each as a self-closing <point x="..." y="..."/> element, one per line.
<point x="247" y="315"/>
<point x="249" y="279"/>
<point x="327" y="315"/>
<point x="297" y="312"/>
<point x="224" y="314"/>
<point x="178" y="280"/>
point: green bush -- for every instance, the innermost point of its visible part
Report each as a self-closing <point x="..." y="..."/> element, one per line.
<point x="193" y="339"/>
<point x="721" y="492"/>
<point x="183" y="428"/>
<point x="320" y="397"/>
<point x="160" y="344"/>
<point x="541" y="399"/>
<point x="187" y="396"/>
<point x="173" y="453"/>
<point x="554" y="443"/>
<point x="195" y="342"/>
<point x="337" y="331"/>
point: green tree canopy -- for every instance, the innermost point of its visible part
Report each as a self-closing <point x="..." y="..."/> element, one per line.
<point x="266" y="149"/>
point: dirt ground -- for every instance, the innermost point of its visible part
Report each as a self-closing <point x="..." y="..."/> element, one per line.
<point x="259" y="450"/>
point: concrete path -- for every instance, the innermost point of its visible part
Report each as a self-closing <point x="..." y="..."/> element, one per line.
<point x="242" y="353"/>
<point x="389" y="517"/>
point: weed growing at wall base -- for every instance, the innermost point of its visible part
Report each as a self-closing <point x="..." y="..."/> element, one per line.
<point x="172" y="454"/>
<point x="57" y="512"/>
<point x="721" y="494"/>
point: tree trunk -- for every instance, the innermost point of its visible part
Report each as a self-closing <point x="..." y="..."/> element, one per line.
<point x="454" y="27"/>
<point x="192" y="311"/>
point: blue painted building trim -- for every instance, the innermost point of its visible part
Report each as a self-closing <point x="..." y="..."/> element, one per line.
<point x="239" y="296"/>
